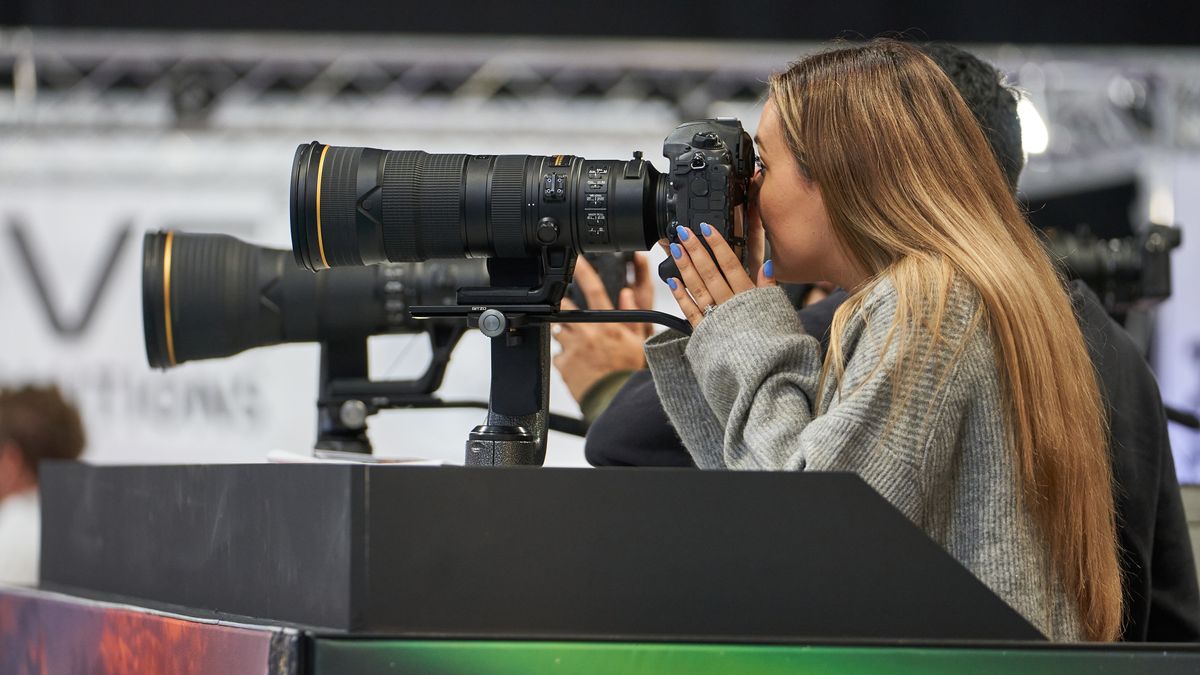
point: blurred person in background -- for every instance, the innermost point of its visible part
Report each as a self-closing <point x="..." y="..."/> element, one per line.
<point x="36" y="423"/>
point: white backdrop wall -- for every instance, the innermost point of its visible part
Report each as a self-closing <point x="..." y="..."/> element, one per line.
<point x="1178" y="347"/>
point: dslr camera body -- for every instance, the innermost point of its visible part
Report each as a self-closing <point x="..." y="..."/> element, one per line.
<point x="712" y="162"/>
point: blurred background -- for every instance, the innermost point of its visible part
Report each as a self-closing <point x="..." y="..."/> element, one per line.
<point x="115" y="120"/>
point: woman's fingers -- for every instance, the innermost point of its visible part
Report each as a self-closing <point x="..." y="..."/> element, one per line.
<point x="696" y="264"/>
<point x="730" y="267"/>
<point x="692" y="281"/>
<point x="709" y="278"/>
<point x="766" y="275"/>
<point x="690" y="311"/>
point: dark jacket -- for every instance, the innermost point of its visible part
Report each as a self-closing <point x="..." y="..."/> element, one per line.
<point x="1162" y="603"/>
<point x="1158" y="572"/>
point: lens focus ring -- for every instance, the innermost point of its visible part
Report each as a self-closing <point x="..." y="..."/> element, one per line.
<point x="422" y="206"/>
<point x="506" y="196"/>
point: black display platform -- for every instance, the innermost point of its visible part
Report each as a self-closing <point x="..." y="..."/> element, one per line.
<point x="515" y="553"/>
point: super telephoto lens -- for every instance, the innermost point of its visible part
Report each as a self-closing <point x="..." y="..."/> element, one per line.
<point x="358" y="206"/>
<point x="211" y="295"/>
<point x="201" y="296"/>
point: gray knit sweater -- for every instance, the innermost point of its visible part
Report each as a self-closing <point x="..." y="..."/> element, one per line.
<point x="742" y="394"/>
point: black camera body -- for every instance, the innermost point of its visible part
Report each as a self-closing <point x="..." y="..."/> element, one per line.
<point x="1125" y="272"/>
<point x="711" y="165"/>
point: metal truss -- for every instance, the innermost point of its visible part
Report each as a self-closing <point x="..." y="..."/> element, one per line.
<point x="1109" y="113"/>
<point x="265" y="82"/>
<point x="1105" y="109"/>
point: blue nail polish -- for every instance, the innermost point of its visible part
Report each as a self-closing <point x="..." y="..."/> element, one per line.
<point x="769" y="269"/>
<point x="676" y="251"/>
<point x="705" y="229"/>
<point x="672" y="284"/>
<point x="682" y="232"/>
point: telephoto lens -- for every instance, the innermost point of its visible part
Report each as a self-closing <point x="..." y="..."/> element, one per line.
<point x="211" y="295"/>
<point x="358" y="206"/>
<point x="355" y="206"/>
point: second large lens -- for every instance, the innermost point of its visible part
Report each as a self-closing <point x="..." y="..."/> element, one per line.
<point x="209" y="295"/>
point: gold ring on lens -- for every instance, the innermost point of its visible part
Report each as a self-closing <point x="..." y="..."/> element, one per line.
<point x="167" y="297"/>
<point x="320" y="239"/>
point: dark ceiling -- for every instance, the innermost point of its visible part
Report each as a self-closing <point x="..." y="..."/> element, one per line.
<point x="1018" y="21"/>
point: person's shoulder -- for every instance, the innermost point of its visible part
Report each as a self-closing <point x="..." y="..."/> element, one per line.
<point x="1126" y="380"/>
<point x="950" y="321"/>
<point x="1102" y="333"/>
<point x="19" y="512"/>
<point x="880" y="294"/>
<point x="1111" y="347"/>
<point x="956" y="308"/>
<point x="874" y="303"/>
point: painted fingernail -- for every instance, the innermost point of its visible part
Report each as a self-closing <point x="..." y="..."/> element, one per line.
<point x="682" y="232"/>
<point x="676" y="251"/>
<point x="769" y="269"/>
<point x="705" y="229"/>
<point x="672" y="284"/>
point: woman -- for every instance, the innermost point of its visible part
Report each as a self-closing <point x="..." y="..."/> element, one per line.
<point x="957" y="382"/>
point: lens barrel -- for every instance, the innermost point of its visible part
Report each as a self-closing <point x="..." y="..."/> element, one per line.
<point x="210" y="295"/>
<point x="202" y="297"/>
<point x="356" y="206"/>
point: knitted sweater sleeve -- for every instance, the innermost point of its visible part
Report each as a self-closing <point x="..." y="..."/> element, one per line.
<point x="743" y="394"/>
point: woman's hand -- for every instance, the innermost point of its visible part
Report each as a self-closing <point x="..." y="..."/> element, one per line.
<point x="709" y="280"/>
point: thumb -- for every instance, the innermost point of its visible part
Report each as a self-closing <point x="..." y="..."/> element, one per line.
<point x="766" y="275"/>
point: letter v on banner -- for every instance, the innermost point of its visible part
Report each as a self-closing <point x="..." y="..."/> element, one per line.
<point x="67" y="329"/>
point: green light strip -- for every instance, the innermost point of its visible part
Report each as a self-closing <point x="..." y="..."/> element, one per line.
<point x="366" y="657"/>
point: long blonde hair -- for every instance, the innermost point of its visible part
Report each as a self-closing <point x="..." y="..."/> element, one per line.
<point x="914" y="194"/>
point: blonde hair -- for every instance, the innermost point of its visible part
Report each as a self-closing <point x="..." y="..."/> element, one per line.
<point x="914" y="194"/>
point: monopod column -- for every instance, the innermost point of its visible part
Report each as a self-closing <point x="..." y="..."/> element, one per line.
<point x="516" y="426"/>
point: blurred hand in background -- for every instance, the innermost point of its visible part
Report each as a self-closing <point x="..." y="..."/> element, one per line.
<point x="593" y="352"/>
